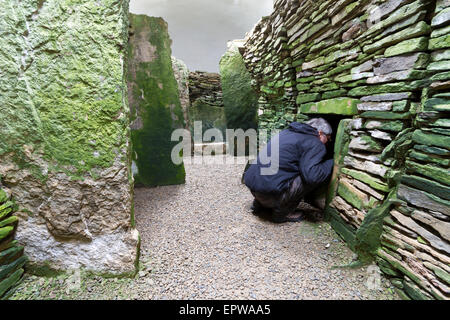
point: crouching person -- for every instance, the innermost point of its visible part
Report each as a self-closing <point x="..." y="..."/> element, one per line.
<point x="301" y="169"/>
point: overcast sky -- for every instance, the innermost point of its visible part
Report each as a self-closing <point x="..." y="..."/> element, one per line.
<point x="200" y="29"/>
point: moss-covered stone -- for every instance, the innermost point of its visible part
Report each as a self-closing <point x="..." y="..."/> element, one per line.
<point x="431" y="139"/>
<point x="366" y="178"/>
<point x="442" y="42"/>
<point x="154" y="102"/>
<point x="437" y="104"/>
<point x="342" y="228"/>
<point x="419" y="29"/>
<point x="304" y="98"/>
<point x="65" y="98"/>
<point x="429" y="170"/>
<point x="427" y="158"/>
<point x="10" y="281"/>
<point x="341" y="106"/>
<point x="367" y="239"/>
<point x="407" y="46"/>
<point x="427" y="185"/>
<point x="385" y="115"/>
<point x="239" y="98"/>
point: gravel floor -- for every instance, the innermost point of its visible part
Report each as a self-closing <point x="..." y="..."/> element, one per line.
<point x="200" y="241"/>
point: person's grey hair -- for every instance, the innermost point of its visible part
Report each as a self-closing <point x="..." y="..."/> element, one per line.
<point x="321" y="125"/>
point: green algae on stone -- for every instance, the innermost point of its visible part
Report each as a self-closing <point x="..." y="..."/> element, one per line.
<point x="239" y="98"/>
<point x="407" y="46"/>
<point x="442" y="42"/>
<point x="68" y="91"/>
<point x="366" y="178"/>
<point x="429" y="170"/>
<point x="430" y="186"/>
<point x="431" y="139"/>
<point x="341" y="106"/>
<point x="341" y="227"/>
<point x="419" y="29"/>
<point x="154" y="101"/>
<point x="367" y="239"/>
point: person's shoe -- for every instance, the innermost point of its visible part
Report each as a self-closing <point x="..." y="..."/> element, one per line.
<point x="296" y="217"/>
<point x="258" y="209"/>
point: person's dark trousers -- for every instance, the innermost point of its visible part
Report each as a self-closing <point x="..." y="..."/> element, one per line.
<point x="281" y="204"/>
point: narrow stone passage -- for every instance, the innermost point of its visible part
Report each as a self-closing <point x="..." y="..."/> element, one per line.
<point x="202" y="242"/>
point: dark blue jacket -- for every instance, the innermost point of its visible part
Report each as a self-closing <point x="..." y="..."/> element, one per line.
<point x="301" y="153"/>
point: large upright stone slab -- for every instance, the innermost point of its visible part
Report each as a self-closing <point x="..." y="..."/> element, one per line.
<point x="64" y="136"/>
<point x="239" y="98"/>
<point x="154" y="101"/>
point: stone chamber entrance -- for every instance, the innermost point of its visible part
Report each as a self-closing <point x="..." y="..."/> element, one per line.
<point x="124" y="221"/>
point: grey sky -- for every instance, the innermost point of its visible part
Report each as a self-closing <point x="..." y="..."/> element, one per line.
<point x="200" y="29"/>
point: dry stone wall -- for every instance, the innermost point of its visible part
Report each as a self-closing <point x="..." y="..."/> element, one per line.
<point x="384" y="66"/>
<point x="65" y="139"/>
<point x="206" y="102"/>
<point x="205" y="87"/>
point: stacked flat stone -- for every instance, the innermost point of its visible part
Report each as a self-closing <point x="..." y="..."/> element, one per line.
<point x="12" y="259"/>
<point x="385" y="66"/>
<point x="206" y="88"/>
<point x="415" y="243"/>
<point x="206" y="98"/>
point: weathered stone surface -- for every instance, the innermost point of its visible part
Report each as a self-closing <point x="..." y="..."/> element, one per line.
<point x="398" y="63"/>
<point x="12" y="259"/>
<point x="343" y="106"/>
<point x="304" y="98"/>
<point x="239" y="98"/>
<point x="431" y="139"/>
<point x="374" y="106"/>
<point x="429" y="170"/>
<point x="442" y="227"/>
<point x="440" y="32"/>
<point x="435" y="241"/>
<point x="181" y="73"/>
<point x="441" y="19"/>
<point x="365" y="143"/>
<point x="352" y="195"/>
<point x="399" y="76"/>
<point x="442" y="42"/>
<point x="387" y="97"/>
<point x="380" y="135"/>
<point x="371" y="181"/>
<point x="347" y="211"/>
<point x="367" y="166"/>
<point x="205" y="87"/>
<point x="63" y="96"/>
<point x="437" y="104"/>
<point x="154" y="102"/>
<point x="421" y="28"/>
<point x="407" y="46"/>
<point x="440" y="55"/>
<point x="427" y="185"/>
<point x="422" y="199"/>
<point x="395" y="126"/>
